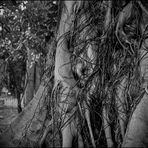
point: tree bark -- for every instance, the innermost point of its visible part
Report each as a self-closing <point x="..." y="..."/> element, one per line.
<point x="19" y="108"/>
<point x="120" y="104"/>
<point x="137" y="130"/>
<point x="64" y="76"/>
<point x="37" y="75"/>
<point x="2" y="70"/>
<point x="29" y="91"/>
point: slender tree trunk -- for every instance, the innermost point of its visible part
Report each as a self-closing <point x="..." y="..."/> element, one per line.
<point x="2" y="71"/>
<point x="18" y="95"/>
<point x="29" y="91"/>
<point x="37" y="75"/>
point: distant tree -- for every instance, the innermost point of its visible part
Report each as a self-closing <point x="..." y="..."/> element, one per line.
<point x="26" y="31"/>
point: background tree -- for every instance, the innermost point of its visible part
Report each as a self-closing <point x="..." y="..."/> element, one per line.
<point x="24" y="35"/>
<point x="39" y="102"/>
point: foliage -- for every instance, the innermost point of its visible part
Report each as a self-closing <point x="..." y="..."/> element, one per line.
<point x="26" y="26"/>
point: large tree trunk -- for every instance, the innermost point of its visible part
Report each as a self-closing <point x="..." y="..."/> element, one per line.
<point x="63" y="76"/>
<point x="137" y="130"/>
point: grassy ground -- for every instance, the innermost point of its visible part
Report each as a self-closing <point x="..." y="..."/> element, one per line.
<point x="8" y="111"/>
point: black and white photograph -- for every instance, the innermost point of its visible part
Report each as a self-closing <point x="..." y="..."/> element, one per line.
<point x="73" y="73"/>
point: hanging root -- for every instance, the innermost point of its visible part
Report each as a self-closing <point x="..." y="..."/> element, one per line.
<point x="123" y="16"/>
<point x="68" y="111"/>
<point x="47" y="130"/>
<point x="71" y="130"/>
<point x="120" y="102"/>
<point x="68" y="133"/>
<point x="107" y="129"/>
<point x="87" y="117"/>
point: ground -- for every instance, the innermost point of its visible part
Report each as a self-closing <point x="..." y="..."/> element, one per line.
<point x="8" y="111"/>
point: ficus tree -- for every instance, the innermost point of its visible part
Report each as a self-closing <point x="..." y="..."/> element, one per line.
<point x="94" y="89"/>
